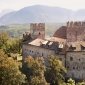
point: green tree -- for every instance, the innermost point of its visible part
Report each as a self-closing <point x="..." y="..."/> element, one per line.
<point x="54" y="73"/>
<point x="9" y="71"/>
<point x="15" y="46"/>
<point x="70" y="81"/>
<point x="81" y="83"/>
<point x="4" y="37"/>
<point x="36" y="70"/>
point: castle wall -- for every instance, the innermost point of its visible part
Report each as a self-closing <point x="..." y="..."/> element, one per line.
<point x="75" y="65"/>
<point x="75" y="31"/>
<point x="37" y="52"/>
<point x="41" y="52"/>
<point x="61" y="58"/>
<point x="37" y="30"/>
<point x="74" y="61"/>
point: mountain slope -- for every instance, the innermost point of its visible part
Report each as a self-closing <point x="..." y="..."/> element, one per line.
<point x="5" y="11"/>
<point x="40" y="13"/>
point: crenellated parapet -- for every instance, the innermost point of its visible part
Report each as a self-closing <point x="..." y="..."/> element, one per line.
<point x="26" y="36"/>
<point x="34" y="25"/>
<point x="73" y="24"/>
<point x="37" y="30"/>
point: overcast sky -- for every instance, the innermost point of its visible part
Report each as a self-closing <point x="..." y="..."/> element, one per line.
<point x="18" y="4"/>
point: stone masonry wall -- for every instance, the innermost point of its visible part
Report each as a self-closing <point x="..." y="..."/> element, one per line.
<point x="75" y="31"/>
<point x="37" y="30"/>
<point x="35" y="51"/>
<point x="75" y="65"/>
<point x="41" y="52"/>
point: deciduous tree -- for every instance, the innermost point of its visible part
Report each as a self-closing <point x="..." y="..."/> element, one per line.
<point x="9" y="71"/>
<point x="37" y="71"/>
<point x="54" y="73"/>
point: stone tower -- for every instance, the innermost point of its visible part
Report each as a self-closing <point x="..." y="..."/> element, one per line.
<point x="75" y="31"/>
<point x="37" y="30"/>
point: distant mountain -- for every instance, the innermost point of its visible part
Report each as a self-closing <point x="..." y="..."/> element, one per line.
<point x="41" y="13"/>
<point x="5" y="11"/>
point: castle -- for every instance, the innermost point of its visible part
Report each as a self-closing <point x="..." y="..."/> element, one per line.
<point x="68" y="45"/>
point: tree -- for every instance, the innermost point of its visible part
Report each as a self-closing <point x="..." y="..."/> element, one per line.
<point x="54" y="73"/>
<point x="70" y="81"/>
<point x="9" y="71"/>
<point x="15" y="46"/>
<point x="36" y="70"/>
<point x="4" y="37"/>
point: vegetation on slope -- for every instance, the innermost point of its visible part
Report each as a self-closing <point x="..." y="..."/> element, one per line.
<point x="17" y="30"/>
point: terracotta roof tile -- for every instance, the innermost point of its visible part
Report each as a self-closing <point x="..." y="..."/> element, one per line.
<point x="61" y="32"/>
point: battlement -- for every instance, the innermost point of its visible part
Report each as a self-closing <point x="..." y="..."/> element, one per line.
<point x="37" y="24"/>
<point x="37" y="30"/>
<point x="26" y="36"/>
<point x="72" y="24"/>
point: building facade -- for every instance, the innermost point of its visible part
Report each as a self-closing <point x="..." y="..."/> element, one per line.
<point x="75" y="31"/>
<point x="68" y="45"/>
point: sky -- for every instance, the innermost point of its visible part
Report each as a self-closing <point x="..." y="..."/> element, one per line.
<point x="18" y="4"/>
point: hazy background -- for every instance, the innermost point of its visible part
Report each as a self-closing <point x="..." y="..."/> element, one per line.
<point x="18" y="4"/>
<point x="16" y="15"/>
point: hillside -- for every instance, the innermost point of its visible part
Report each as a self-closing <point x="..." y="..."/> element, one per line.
<point x="37" y="13"/>
<point x="5" y="11"/>
<point x="41" y="13"/>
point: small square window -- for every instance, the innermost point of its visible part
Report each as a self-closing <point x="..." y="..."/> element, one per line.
<point x="79" y="59"/>
<point x="67" y="67"/>
<point x="71" y="58"/>
<point x="77" y="68"/>
<point x="74" y="68"/>
<point x="42" y="54"/>
<point x="83" y="67"/>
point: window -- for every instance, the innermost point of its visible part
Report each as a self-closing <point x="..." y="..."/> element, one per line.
<point x="48" y="46"/>
<point x="71" y="58"/>
<point x="83" y="67"/>
<point x="67" y="67"/>
<point x="60" y="59"/>
<point x="79" y="59"/>
<point x="73" y="68"/>
<point x="42" y="54"/>
<point x="39" y="33"/>
<point x="30" y="50"/>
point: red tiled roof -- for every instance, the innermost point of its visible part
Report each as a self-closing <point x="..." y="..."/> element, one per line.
<point x="60" y="33"/>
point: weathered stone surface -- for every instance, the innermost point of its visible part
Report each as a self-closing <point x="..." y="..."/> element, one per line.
<point x="75" y="31"/>
<point x="37" y="30"/>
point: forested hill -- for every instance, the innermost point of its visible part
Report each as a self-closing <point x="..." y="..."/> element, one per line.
<point x="17" y="30"/>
